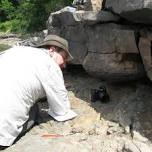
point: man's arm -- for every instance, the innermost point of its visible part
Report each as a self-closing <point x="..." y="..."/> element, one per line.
<point x="57" y="96"/>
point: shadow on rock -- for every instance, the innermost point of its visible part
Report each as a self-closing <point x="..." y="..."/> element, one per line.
<point x="129" y="106"/>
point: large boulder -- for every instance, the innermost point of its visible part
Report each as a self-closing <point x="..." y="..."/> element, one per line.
<point x="112" y="67"/>
<point x="105" y="50"/>
<point x="111" y="38"/>
<point x="145" y="47"/>
<point x="138" y="11"/>
<point x="112" y="53"/>
<point x="76" y="37"/>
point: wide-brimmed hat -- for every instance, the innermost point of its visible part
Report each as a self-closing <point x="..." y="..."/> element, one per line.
<point x="56" y="40"/>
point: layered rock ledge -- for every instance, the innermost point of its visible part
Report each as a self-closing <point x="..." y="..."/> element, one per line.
<point x="110" y="39"/>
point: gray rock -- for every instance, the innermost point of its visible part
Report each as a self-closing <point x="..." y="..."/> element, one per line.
<point x="75" y="33"/>
<point x="130" y="147"/>
<point x="110" y="38"/>
<point x="113" y="52"/>
<point x="137" y="136"/>
<point x="145" y="50"/>
<point x="94" y="17"/>
<point x="65" y="17"/>
<point x="78" y="51"/>
<point x="54" y="30"/>
<point x="62" y="17"/>
<point x="110" y="67"/>
<point x="142" y="146"/>
<point x="138" y="11"/>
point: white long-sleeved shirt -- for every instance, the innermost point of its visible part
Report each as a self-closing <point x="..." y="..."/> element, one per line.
<point x="27" y="74"/>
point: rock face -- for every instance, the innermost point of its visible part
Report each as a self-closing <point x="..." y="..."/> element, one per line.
<point x="103" y="47"/>
<point x="138" y="11"/>
<point x="110" y="49"/>
<point x="110" y="39"/>
<point x="145" y="50"/>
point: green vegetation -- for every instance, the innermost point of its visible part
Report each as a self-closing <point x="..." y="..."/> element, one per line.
<point x="4" y="47"/>
<point x="27" y="15"/>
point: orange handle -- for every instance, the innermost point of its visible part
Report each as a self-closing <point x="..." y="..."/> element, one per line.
<point x="51" y="135"/>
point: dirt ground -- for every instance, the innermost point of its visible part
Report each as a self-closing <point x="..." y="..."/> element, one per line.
<point x="122" y="125"/>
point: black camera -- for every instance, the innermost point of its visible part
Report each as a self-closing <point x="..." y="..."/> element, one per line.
<point x="100" y="95"/>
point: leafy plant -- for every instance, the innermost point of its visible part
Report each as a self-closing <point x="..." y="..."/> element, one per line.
<point x="27" y="15"/>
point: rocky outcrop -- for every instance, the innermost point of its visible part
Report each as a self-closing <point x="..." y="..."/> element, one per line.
<point x="137" y="11"/>
<point x="110" y="49"/>
<point x="73" y="25"/>
<point x="105" y="48"/>
<point x="110" y="39"/>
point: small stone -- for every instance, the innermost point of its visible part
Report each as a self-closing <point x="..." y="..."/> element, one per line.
<point x="76" y="130"/>
<point x="127" y="129"/>
<point x="92" y="132"/>
<point x="139" y="137"/>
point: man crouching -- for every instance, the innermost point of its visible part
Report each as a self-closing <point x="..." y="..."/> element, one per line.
<point x="28" y="74"/>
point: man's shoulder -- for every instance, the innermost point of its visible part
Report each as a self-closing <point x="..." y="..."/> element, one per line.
<point x="25" y="48"/>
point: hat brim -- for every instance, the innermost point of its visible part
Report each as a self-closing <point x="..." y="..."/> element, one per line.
<point x="55" y="43"/>
<point x="69" y="115"/>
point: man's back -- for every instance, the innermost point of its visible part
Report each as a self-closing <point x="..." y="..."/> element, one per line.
<point x="26" y="75"/>
<point x="19" y="88"/>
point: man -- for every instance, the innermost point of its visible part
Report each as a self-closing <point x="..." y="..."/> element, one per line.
<point x="28" y="74"/>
